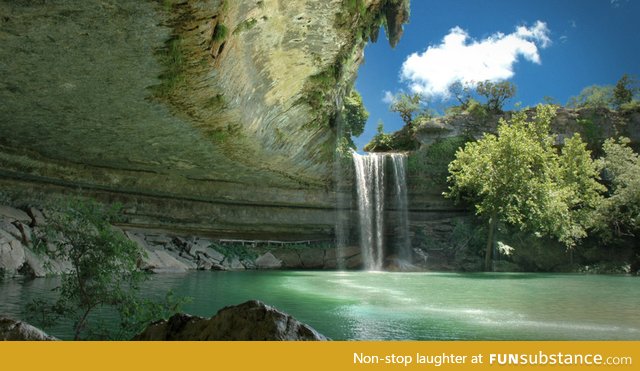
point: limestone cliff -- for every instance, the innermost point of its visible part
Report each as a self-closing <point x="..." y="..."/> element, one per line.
<point x="202" y="114"/>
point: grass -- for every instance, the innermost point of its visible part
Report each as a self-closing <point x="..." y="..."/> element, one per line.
<point x="220" y="33"/>
<point x="172" y="57"/>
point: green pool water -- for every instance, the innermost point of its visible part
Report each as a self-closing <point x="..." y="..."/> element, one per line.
<point x="416" y="306"/>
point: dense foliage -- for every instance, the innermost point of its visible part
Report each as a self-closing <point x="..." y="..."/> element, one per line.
<point x="624" y="90"/>
<point x="496" y="93"/>
<point x="355" y="114"/>
<point x="407" y="106"/>
<point x="380" y="142"/>
<point x="620" y="96"/>
<point x="520" y="178"/>
<point x="104" y="273"/>
<point x="619" y="214"/>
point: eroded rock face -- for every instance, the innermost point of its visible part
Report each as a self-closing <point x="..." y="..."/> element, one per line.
<point x="252" y="320"/>
<point x="13" y="330"/>
<point x="205" y="114"/>
<point x="21" y="255"/>
<point x="593" y="124"/>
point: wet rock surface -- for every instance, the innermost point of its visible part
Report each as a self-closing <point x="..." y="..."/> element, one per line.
<point x="12" y="330"/>
<point x="252" y="320"/>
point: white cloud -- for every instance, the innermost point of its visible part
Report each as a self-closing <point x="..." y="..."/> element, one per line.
<point x="564" y="38"/>
<point x="388" y="97"/>
<point x="618" y="3"/>
<point x="460" y="58"/>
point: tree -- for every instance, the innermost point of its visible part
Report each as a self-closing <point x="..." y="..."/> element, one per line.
<point x="619" y="214"/>
<point x="518" y="177"/>
<point x="104" y="270"/>
<point x="496" y="93"/>
<point x="407" y="105"/>
<point x="624" y="90"/>
<point x="355" y="114"/>
<point x="462" y="93"/>
<point x="381" y="141"/>
<point x="594" y="96"/>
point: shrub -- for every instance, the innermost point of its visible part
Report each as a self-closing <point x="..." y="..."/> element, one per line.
<point x="104" y="272"/>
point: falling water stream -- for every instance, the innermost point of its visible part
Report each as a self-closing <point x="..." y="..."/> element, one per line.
<point x="372" y="192"/>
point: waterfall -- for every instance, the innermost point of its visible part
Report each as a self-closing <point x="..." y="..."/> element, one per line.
<point x="403" y="245"/>
<point x="371" y="192"/>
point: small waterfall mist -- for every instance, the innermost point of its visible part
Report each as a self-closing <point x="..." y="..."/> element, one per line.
<point x="371" y="192"/>
<point x="342" y="191"/>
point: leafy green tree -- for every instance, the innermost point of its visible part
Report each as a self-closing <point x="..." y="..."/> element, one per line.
<point x="619" y="214"/>
<point x="462" y="93"/>
<point x="496" y="93"/>
<point x="624" y="90"/>
<point x="381" y="141"/>
<point x="408" y="106"/>
<point x="594" y="96"/>
<point x="104" y="271"/>
<point x="518" y="177"/>
<point x="355" y="114"/>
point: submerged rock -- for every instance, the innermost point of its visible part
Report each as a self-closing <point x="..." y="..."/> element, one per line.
<point x="252" y="320"/>
<point x="14" y="214"/>
<point x="17" y="330"/>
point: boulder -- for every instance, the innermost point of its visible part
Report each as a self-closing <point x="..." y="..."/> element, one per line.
<point x="37" y="218"/>
<point x="158" y="239"/>
<point x="10" y="228"/>
<point x="205" y="265"/>
<point x="252" y="320"/>
<point x="14" y="214"/>
<point x="12" y="255"/>
<point x="35" y="265"/>
<point x="248" y="263"/>
<point x="233" y="264"/>
<point x="159" y="261"/>
<point x="13" y="330"/>
<point x="25" y="233"/>
<point x="214" y="254"/>
<point x="138" y="239"/>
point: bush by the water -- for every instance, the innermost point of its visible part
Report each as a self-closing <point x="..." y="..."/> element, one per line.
<point x="104" y="274"/>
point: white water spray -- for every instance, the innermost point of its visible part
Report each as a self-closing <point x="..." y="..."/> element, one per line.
<point x="371" y="191"/>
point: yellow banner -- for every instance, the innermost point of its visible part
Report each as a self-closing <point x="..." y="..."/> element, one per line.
<point x="327" y="356"/>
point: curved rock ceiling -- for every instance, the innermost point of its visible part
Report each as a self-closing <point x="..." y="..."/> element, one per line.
<point x="209" y="101"/>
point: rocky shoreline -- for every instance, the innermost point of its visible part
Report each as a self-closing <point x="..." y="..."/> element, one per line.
<point x="251" y="320"/>
<point x="165" y="252"/>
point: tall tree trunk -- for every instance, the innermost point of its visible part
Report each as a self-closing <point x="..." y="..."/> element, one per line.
<point x="489" y="251"/>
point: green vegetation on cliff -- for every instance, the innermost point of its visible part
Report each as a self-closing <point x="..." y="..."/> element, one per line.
<point x="518" y="177"/>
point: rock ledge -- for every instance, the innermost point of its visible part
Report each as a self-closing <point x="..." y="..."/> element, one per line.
<point x="252" y="320"/>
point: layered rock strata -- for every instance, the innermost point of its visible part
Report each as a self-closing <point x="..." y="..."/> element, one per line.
<point x="204" y="115"/>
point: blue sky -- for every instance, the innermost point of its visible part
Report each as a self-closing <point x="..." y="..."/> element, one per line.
<point x="545" y="47"/>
